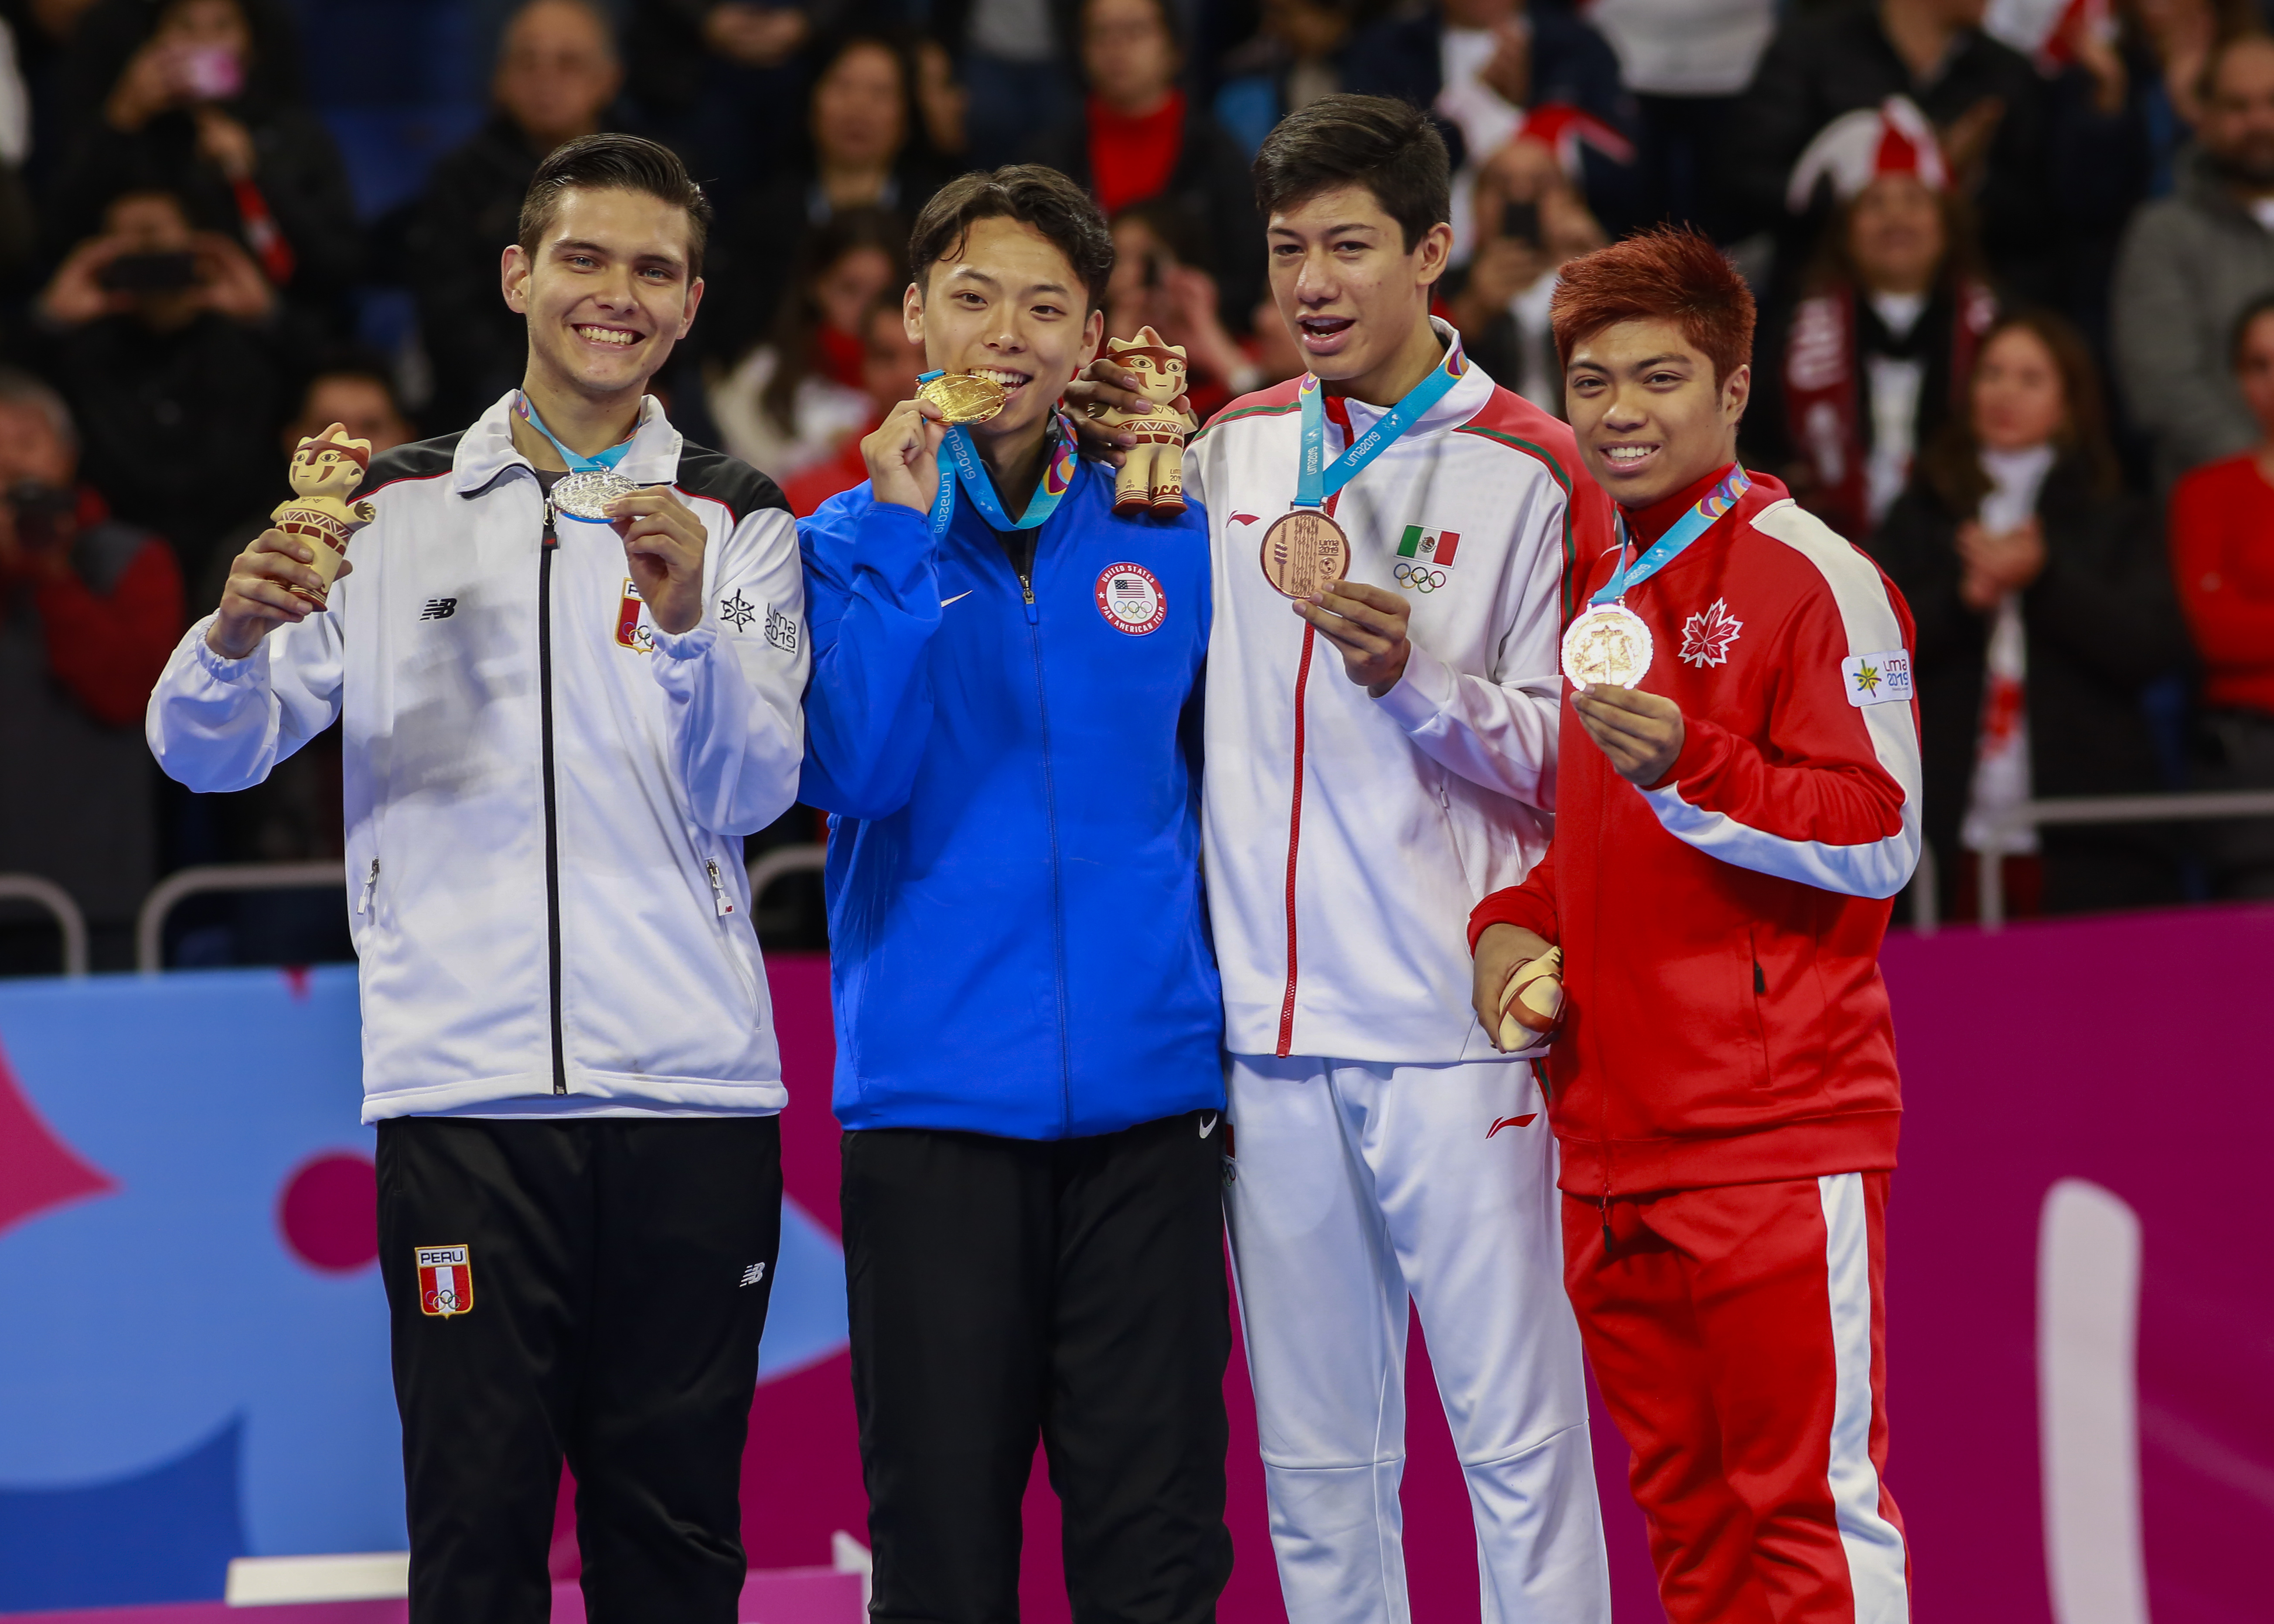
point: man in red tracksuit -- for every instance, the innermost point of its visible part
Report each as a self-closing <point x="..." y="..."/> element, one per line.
<point x="1730" y="825"/>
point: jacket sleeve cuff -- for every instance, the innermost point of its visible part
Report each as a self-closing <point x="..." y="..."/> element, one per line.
<point x="1515" y="906"/>
<point x="895" y="542"/>
<point x="1423" y="691"/>
<point x="1702" y="744"/>
<point x="251" y="671"/>
<point x="693" y="643"/>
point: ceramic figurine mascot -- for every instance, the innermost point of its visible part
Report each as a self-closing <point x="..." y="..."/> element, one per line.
<point x="1153" y="474"/>
<point x="326" y="469"/>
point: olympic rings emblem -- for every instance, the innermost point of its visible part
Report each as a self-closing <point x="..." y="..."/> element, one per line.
<point x="1420" y="577"/>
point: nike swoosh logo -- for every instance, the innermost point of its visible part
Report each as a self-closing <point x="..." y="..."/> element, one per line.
<point x="958" y="599"/>
<point x="1209" y="1120"/>
<point x="1524" y="1121"/>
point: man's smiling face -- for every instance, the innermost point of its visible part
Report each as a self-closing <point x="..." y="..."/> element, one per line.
<point x="608" y="292"/>
<point x="1647" y="412"/>
<point x="1005" y="303"/>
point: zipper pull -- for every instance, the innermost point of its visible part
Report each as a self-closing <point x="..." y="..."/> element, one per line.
<point x="1026" y="590"/>
<point x="718" y="898"/>
<point x="370" y="886"/>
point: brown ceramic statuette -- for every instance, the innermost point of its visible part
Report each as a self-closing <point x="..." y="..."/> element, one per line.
<point x="326" y="469"/>
<point x="1152" y="473"/>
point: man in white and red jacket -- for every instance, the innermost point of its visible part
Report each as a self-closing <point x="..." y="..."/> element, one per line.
<point x="1730" y="826"/>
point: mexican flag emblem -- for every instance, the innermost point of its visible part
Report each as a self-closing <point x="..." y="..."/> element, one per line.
<point x="1435" y="546"/>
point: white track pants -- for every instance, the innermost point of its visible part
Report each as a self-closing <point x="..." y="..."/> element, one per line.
<point x="1355" y="1185"/>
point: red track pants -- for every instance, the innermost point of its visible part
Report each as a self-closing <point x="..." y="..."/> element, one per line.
<point x="1739" y="1337"/>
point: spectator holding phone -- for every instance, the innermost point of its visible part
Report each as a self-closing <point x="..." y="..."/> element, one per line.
<point x="200" y="99"/>
<point x="1532" y="220"/>
<point x="89" y="608"/>
<point x="1159" y="281"/>
<point x="151" y="328"/>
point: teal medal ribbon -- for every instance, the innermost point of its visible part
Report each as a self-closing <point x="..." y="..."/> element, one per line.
<point x="1667" y="548"/>
<point x="1060" y="461"/>
<point x="592" y="482"/>
<point x="1317" y="479"/>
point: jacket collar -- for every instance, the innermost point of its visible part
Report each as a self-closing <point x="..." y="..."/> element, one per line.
<point x="486" y="450"/>
<point x="1463" y="401"/>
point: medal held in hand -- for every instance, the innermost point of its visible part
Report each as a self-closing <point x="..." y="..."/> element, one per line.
<point x="1305" y="551"/>
<point x="1608" y="642"/>
<point x="962" y="397"/>
<point x="586" y="493"/>
<point x="591" y="484"/>
<point x="326" y="469"/>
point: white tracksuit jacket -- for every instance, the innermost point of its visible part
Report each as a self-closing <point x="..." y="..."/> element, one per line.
<point x="545" y="795"/>
<point x="1347" y="837"/>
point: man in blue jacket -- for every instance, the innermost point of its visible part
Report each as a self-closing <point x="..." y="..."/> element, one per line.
<point x="1004" y="723"/>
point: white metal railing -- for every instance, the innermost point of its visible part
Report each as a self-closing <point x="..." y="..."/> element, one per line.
<point x="57" y="902"/>
<point x="150" y="923"/>
<point x="2196" y="807"/>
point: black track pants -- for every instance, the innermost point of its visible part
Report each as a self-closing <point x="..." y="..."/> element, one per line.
<point x="1002" y="1289"/>
<point x="606" y="1317"/>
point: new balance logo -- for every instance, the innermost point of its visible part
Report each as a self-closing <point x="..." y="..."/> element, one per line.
<point x="756" y="1273"/>
<point x="439" y="609"/>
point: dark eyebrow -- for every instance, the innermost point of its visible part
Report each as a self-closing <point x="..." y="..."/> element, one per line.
<point x="576" y="245"/>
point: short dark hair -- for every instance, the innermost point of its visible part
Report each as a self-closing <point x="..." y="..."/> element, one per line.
<point x="1389" y="147"/>
<point x="1033" y="194"/>
<point x="612" y="162"/>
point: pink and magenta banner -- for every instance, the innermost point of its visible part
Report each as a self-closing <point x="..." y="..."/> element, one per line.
<point x="192" y="1363"/>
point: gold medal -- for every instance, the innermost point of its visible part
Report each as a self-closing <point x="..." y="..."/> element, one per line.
<point x="963" y="397"/>
<point x="1608" y="642"/>
<point x="1305" y="552"/>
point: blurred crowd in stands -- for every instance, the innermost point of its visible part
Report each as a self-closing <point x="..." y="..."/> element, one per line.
<point x="2015" y="260"/>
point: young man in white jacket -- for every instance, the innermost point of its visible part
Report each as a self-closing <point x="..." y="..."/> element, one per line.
<point x="1380" y="749"/>
<point x="569" y="664"/>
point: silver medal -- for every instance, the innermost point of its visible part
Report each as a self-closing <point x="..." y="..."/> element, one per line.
<point x="586" y="495"/>
<point x="1608" y="642"/>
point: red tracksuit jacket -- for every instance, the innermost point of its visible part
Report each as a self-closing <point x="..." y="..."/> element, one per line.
<point x="1726" y="1020"/>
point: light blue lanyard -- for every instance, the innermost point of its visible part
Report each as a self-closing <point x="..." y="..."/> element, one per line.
<point x="1060" y="460"/>
<point x="1318" y="479"/>
<point x="605" y="463"/>
<point x="1670" y="546"/>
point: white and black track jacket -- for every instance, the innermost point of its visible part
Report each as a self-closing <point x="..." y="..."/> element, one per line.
<point x="545" y="796"/>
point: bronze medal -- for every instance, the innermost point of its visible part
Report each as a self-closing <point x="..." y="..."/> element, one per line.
<point x="1608" y="642"/>
<point x="963" y="397"/>
<point x="1305" y="552"/>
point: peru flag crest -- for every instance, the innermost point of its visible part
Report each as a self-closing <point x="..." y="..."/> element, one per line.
<point x="446" y="1279"/>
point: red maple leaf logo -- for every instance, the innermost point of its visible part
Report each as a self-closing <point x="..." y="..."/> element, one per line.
<point x="1706" y="638"/>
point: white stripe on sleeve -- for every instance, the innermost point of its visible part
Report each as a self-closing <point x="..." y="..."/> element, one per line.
<point x="1875" y="868"/>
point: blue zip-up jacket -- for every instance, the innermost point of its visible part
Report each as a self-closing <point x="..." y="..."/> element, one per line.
<point x="1018" y="937"/>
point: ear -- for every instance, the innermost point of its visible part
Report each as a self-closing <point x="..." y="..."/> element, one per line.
<point x="912" y="314"/>
<point x="694" y="303"/>
<point x="1093" y="334"/>
<point x="513" y="278"/>
<point x="1432" y="253"/>
<point x="1737" y="391"/>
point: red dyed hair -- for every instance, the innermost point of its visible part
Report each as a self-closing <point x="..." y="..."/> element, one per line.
<point x="1662" y="275"/>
